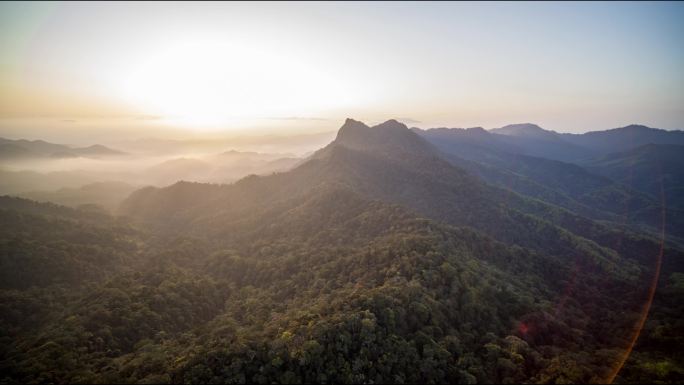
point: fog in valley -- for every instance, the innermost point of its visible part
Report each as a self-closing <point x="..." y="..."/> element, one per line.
<point x="105" y="174"/>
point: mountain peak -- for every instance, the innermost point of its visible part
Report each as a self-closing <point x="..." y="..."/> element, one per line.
<point x="525" y="129"/>
<point x="350" y="130"/>
<point x="637" y="127"/>
<point x="392" y="124"/>
<point x="350" y="121"/>
<point x="511" y="129"/>
<point x="354" y="132"/>
<point x="390" y="137"/>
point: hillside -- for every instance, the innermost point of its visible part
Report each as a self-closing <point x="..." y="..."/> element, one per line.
<point x="105" y="194"/>
<point x="655" y="169"/>
<point x="580" y="188"/>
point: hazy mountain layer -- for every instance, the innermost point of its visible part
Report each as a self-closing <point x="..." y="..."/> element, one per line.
<point x="530" y="139"/>
<point x="25" y="149"/>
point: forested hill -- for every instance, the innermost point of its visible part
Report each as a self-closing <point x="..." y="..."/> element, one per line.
<point x="378" y="260"/>
<point x="421" y="179"/>
<point x="655" y="169"/>
<point x="622" y="188"/>
<point x="336" y="288"/>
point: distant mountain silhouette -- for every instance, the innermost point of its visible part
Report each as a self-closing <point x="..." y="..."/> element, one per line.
<point x="23" y="149"/>
<point x="96" y="150"/>
<point x="13" y="151"/>
<point x="106" y="194"/>
<point x="530" y="139"/>
<point x="527" y="130"/>
<point x="524" y="139"/>
<point x="624" y="138"/>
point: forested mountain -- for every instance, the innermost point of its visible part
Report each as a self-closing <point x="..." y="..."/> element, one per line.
<point x="656" y="169"/>
<point x="386" y="257"/>
<point x="532" y="140"/>
<point x="536" y="141"/>
<point x="625" y="138"/>
<point x="600" y="189"/>
<point x="524" y="139"/>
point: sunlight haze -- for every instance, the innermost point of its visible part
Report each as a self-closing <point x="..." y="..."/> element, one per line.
<point x="228" y="68"/>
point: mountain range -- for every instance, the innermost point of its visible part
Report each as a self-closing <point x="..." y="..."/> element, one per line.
<point x="27" y="149"/>
<point x="390" y="255"/>
<point x="532" y="140"/>
<point x="591" y="185"/>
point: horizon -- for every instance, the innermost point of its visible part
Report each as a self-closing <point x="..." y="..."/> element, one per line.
<point x="267" y="136"/>
<point x="181" y="70"/>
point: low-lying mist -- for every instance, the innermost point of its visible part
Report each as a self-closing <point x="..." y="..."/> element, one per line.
<point x="105" y="175"/>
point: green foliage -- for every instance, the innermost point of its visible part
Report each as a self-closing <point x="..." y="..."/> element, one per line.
<point x="338" y="290"/>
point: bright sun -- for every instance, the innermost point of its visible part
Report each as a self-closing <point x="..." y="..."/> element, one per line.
<point x="206" y="86"/>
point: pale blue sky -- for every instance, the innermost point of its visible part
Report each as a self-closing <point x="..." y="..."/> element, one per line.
<point x="218" y="67"/>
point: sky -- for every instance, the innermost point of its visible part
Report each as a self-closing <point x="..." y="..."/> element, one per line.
<point x="89" y="70"/>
